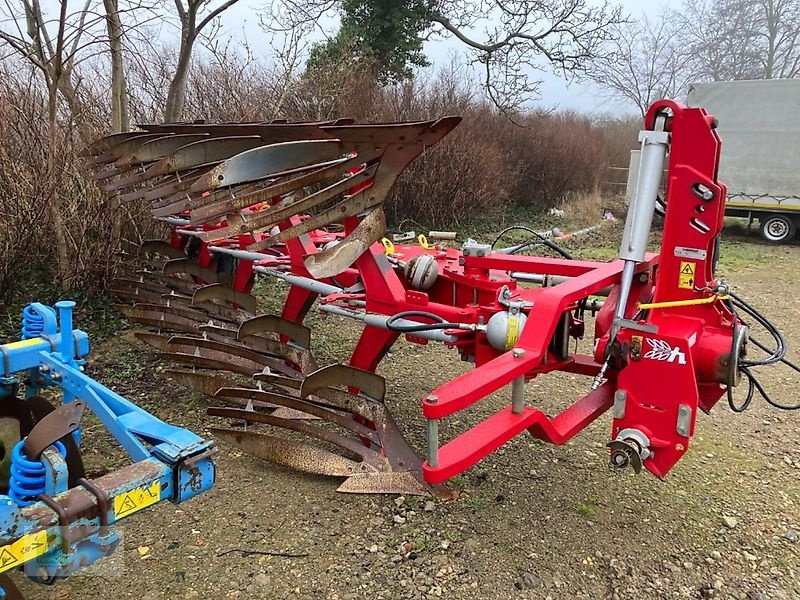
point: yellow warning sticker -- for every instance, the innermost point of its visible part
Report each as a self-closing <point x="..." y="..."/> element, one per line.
<point x="512" y="335"/>
<point x="25" y="548"/>
<point x="686" y="275"/>
<point x="128" y="503"/>
<point x="23" y="343"/>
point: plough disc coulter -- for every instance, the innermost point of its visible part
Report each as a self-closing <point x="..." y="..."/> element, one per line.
<point x="303" y="202"/>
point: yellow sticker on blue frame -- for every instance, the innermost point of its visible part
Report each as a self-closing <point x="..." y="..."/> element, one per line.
<point x="136" y="499"/>
<point x="25" y="548"/>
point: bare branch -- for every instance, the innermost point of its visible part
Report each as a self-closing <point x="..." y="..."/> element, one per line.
<point x="214" y="14"/>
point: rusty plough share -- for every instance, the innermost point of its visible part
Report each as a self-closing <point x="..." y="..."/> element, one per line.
<point x="303" y="202"/>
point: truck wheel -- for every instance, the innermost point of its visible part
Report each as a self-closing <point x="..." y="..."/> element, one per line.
<point x="777" y="229"/>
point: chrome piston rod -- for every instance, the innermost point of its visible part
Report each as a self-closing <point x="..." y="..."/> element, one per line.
<point x="640" y="214"/>
<point x="639" y="221"/>
<point x="435" y="335"/>
<point x="550" y="281"/>
<point x="312" y="285"/>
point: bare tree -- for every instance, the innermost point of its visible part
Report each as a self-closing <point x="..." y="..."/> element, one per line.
<point x="779" y="30"/>
<point x="188" y="14"/>
<point x="53" y="48"/>
<point x="645" y="62"/>
<point x="511" y="40"/>
<point x="742" y="39"/>
<point x="522" y="37"/>
<point x="119" y="91"/>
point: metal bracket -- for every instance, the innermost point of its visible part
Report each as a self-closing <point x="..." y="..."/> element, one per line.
<point x="628" y="324"/>
<point x="59" y="423"/>
<point x="620" y="399"/>
<point x="684" y="420"/>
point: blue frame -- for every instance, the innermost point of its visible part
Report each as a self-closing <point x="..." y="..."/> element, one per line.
<point x="170" y="463"/>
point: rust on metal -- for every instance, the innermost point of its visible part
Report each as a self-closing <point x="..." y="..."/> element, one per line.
<point x="154" y="340"/>
<point x="349" y="207"/>
<point x="151" y="288"/>
<point x="356" y="447"/>
<point x="157" y="149"/>
<point x="267" y="162"/>
<point x="61" y="422"/>
<point x="288" y="453"/>
<point x="189" y="267"/>
<point x="211" y="354"/>
<point x="201" y="381"/>
<point x="11" y="590"/>
<point x="161" y="247"/>
<point x="393" y="482"/>
<point x="301" y="358"/>
<point x="297" y="333"/>
<point x="219" y="291"/>
<point x="206" y="208"/>
<point x="204" y="153"/>
<point x="279" y="380"/>
<point x="166" y="318"/>
<point x="286" y="209"/>
<point x="344" y="421"/>
<point x="332" y="261"/>
<point x="335" y="375"/>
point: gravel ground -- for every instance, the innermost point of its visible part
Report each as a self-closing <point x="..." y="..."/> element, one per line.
<point x="532" y="520"/>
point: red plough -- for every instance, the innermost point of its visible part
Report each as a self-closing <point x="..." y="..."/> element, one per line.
<point x="305" y="206"/>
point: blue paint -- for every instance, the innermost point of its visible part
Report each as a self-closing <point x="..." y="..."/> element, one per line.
<point x="28" y="477"/>
<point x="178" y="460"/>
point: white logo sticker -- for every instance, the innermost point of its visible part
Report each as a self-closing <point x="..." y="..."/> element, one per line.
<point x="661" y="350"/>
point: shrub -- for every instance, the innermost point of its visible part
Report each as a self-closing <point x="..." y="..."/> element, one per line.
<point x="484" y="167"/>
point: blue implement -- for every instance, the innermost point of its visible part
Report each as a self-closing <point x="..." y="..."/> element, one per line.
<point x="49" y="528"/>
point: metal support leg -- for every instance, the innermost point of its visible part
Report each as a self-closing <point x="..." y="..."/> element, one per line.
<point x="433" y="442"/>
<point x="518" y="395"/>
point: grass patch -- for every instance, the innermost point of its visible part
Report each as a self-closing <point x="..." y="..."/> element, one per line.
<point x="474" y="503"/>
<point x="459" y="482"/>
<point x="587" y="509"/>
<point x="423" y="544"/>
<point x="736" y="255"/>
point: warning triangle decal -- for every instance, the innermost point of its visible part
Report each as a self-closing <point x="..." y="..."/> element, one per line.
<point x="127" y="505"/>
<point x="6" y="558"/>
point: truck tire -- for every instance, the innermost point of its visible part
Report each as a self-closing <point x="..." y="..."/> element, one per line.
<point x="777" y="229"/>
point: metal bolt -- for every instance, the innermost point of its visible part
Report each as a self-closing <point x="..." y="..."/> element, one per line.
<point x="432" y="399"/>
<point x="518" y="353"/>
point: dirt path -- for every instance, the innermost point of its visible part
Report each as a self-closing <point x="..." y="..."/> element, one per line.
<point x="533" y="521"/>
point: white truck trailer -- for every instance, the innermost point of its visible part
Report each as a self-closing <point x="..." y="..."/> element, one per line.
<point x="759" y="124"/>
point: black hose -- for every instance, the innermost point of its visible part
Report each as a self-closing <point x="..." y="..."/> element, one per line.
<point x="440" y="323"/>
<point x="541" y="240"/>
<point x="774" y="356"/>
<point x="780" y="349"/>
<point x="733" y="357"/>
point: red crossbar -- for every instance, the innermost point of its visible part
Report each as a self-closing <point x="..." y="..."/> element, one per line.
<point x="487" y="436"/>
